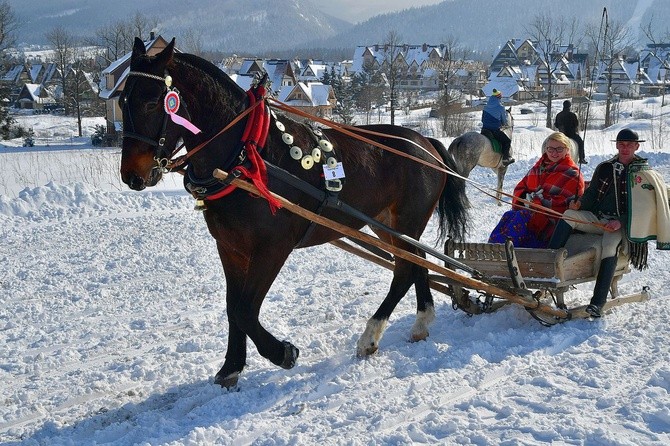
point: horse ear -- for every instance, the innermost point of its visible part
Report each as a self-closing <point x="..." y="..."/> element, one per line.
<point x="165" y="56"/>
<point x="138" y="48"/>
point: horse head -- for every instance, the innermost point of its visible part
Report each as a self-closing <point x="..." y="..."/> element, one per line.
<point x="148" y="135"/>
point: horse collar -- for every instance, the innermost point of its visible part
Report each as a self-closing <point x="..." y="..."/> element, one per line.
<point x="245" y="161"/>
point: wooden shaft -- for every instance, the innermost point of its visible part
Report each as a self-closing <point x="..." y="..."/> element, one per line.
<point x="382" y="262"/>
<point x="401" y="253"/>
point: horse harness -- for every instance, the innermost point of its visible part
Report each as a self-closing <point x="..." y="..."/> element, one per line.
<point x="245" y="160"/>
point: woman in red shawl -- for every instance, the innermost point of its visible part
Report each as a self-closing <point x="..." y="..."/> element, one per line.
<point x="553" y="182"/>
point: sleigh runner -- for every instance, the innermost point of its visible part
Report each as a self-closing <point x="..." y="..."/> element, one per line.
<point x="551" y="273"/>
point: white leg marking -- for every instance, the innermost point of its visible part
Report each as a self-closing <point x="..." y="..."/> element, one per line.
<point x="423" y="321"/>
<point x="369" y="340"/>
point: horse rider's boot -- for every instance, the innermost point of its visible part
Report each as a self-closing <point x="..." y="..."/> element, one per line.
<point x="602" y="287"/>
<point x="560" y="236"/>
<point x="582" y="156"/>
<point x="506" y="158"/>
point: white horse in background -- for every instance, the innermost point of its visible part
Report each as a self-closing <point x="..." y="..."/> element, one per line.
<point x="574" y="150"/>
<point x="474" y="149"/>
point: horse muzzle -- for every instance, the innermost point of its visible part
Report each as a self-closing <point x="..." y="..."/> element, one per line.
<point x="137" y="182"/>
<point x="140" y="171"/>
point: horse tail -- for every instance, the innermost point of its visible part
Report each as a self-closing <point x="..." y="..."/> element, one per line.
<point x="455" y="147"/>
<point x="453" y="205"/>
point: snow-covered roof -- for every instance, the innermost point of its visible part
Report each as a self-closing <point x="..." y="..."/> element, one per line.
<point x="244" y="81"/>
<point x="33" y="90"/>
<point x="409" y="53"/>
<point x="316" y="94"/>
<point x="107" y="93"/>
<point x="13" y="73"/>
<point x="34" y="72"/>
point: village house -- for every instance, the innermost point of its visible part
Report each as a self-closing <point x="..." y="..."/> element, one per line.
<point x="296" y="84"/>
<point x="522" y="72"/>
<point x="419" y="66"/>
<point x="314" y="98"/>
<point x="35" y="97"/>
<point x="655" y="64"/>
<point x="625" y="79"/>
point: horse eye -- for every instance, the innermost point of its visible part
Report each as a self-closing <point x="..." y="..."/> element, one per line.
<point x="151" y="106"/>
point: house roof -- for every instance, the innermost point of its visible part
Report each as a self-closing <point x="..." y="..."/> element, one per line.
<point x="35" y="93"/>
<point x="13" y="73"/>
<point x="315" y="93"/>
<point x="121" y="67"/>
<point x="32" y="90"/>
<point x="409" y="53"/>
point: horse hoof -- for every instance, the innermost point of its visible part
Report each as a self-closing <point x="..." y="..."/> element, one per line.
<point x="291" y="354"/>
<point x="365" y="351"/>
<point x="423" y="320"/>
<point x="229" y="381"/>
<point x="420" y="336"/>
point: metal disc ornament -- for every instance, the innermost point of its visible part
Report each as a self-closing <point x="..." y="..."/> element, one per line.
<point x="296" y="152"/>
<point x="307" y="162"/>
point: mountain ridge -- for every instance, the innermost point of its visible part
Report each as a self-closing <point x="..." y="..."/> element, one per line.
<point x="263" y="26"/>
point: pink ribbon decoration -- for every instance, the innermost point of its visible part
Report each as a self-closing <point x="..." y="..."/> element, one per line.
<point x="172" y="103"/>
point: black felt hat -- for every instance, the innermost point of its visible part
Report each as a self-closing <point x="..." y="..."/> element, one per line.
<point x="628" y="135"/>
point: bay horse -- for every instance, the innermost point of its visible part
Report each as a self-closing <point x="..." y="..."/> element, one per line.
<point x="254" y="239"/>
<point x="474" y="149"/>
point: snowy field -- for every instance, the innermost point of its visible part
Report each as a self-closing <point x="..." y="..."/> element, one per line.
<point x="112" y="326"/>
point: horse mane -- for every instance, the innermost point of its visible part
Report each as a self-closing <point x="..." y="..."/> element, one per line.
<point x="208" y="68"/>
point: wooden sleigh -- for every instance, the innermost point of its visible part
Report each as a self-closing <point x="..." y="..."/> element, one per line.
<point x="534" y="278"/>
<point x="550" y="273"/>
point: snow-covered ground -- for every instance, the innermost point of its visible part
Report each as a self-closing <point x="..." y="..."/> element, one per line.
<point x="112" y="326"/>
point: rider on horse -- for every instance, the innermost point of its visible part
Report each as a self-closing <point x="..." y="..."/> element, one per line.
<point x="494" y="117"/>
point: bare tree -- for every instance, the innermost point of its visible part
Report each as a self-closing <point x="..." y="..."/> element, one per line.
<point x="8" y="27"/>
<point x="664" y="68"/>
<point x="64" y="47"/>
<point x="650" y="32"/>
<point x="192" y="41"/>
<point x="392" y="68"/>
<point x="82" y="98"/>
<point x="117" y="38"/>
<point x="9" y="24"/>
<point x="614" y="41"/>
<point x="554" y="38"/>
<point x="453" y="85"/>
<point x="142" y="26"/>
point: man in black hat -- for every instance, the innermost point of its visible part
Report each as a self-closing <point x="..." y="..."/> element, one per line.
<point x="568" y="123"/>
<point x="603" y="209"/>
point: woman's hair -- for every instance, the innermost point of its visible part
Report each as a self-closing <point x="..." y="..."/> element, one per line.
<point x="560" y="137"/>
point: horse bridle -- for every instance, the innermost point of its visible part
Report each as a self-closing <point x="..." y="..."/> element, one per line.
<point x="161" y="157"/>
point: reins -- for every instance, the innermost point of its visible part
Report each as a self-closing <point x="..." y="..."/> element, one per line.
<point x="177" y="164"/>
<point x="354" y="132"/>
